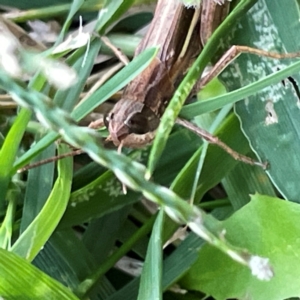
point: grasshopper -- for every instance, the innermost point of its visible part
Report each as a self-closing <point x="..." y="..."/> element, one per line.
<point x="180" y="33"/>
<point x="176" y="30"/>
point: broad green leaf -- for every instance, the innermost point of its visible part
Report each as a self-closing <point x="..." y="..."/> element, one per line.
<point x="270" y="118"/>
<point x="268" y="227"/>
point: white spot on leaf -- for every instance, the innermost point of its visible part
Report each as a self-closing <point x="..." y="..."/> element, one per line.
<point x="272" y="117"/>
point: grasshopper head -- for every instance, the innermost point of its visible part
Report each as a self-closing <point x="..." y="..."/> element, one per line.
<point x="131" y="123"/>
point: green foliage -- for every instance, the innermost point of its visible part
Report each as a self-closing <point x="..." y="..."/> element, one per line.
<point x="268" y="227"/>
<point x="63" y="231"/>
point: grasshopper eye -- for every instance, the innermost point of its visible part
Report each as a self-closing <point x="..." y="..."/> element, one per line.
<point x="142" y="122"/>
<point x="137" y="123"/>
<point x="107" y="118"/>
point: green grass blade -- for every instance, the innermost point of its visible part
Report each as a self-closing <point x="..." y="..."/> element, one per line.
<point x="38" y="187"/>
<point x="38" y="232"/>
<point x="205" y="106"/>
<point x="76" y="5"/>
<point x="6" y="230"/>
<point x="113" y="11"/>
<point x="151" y="278"/>
<point x="9" y="151"/>
<point x="21" y="280"/>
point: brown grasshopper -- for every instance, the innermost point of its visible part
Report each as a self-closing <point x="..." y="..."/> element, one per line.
<point x="180" y="34"/>
<point x="176" y="30"/>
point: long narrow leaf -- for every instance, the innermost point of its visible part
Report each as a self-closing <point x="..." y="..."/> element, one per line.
<point x="38" y="232"/>
<point x="151" y="278"/>
<point x="21" y="280"/>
